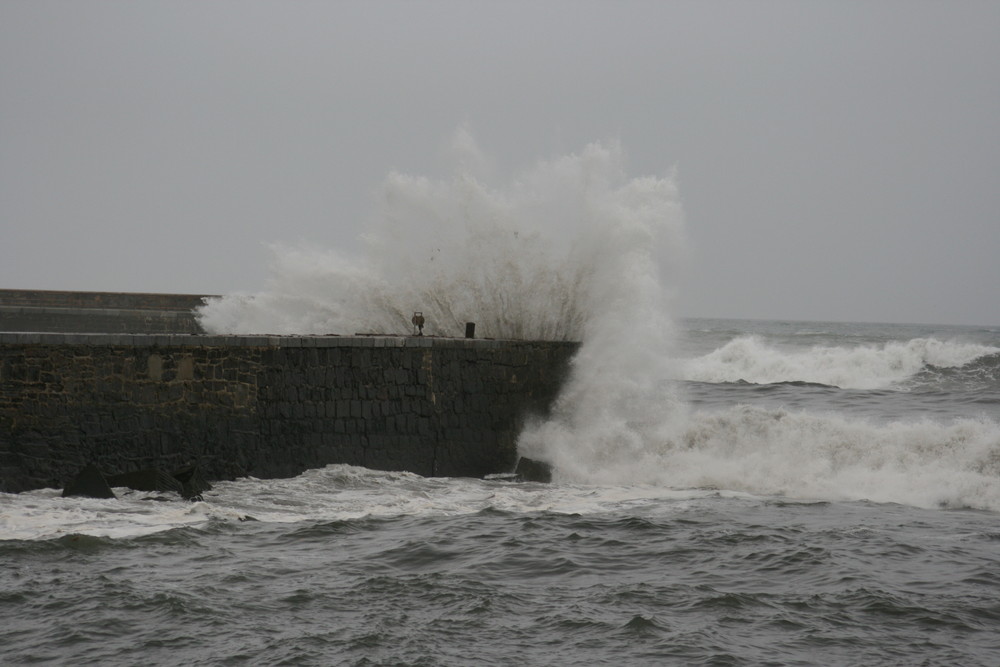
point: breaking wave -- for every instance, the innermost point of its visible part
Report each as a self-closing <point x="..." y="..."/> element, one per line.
<point x="803" y="455"/>
<point x="981" y="374"/>
<point x="749" y="359"/>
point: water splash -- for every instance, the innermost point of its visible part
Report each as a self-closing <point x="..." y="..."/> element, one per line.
<point x="573" y="249"/>
<point x="569" y="249"/>
<point x="543" y="257"/>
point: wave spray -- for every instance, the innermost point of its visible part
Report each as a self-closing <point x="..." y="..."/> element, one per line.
<point x="569" y="249"/>
<point x="540" y="258"/>
<point x="572" y="248"/>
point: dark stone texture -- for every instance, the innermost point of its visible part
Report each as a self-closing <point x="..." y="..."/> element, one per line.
<point x="192" y="481"/>
<point x="530" y="470"/>
<point x="89" y="483"/>
<point x="147" y="479"/>
<point x="266" y="406"/>
<point x="111" y="312"/>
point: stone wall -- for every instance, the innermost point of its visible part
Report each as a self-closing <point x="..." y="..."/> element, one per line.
<point x="113" y="300"/>
<point x="96" y="320"/>
<point x="266" y="406"/>
<point x="107" y="312"/>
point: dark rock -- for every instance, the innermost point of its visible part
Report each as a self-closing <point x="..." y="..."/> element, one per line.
<point x="149" y="479"/>
<point x="89" y="483"/>
<point x="188" y="481"/>
<point x="192" y="482"/>
<point x="530" y="470"/>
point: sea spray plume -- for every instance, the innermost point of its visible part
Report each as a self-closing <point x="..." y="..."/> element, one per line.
<point x="528" y="261"/>
<point x="619" y="406"/>
<point x="571" y="249"/>
<point x="532" y="260"/>
<point x="298" y="299"/>
<point x="466" y="252"/>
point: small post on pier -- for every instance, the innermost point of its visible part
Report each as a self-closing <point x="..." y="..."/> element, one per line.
<point x="470" y="329"/>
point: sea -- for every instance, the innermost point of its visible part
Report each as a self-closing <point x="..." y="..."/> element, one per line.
<point x="725" y="492"/>
<point x="834" y="499"/>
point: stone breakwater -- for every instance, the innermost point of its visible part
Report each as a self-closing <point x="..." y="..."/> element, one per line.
<point x="266" y="406"/>
<point x="98" y="312"/>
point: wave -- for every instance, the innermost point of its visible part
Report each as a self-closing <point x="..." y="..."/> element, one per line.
<point x="980" y="375"/>
<point x="802" y="455"/>
<point x="750" y="359"/>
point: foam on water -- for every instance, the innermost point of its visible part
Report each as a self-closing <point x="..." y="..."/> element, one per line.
<point x="333" y="493"/>
<point x="43" y="514"/>
<point x="803" y="455"/>
<point x="750" y="359"/>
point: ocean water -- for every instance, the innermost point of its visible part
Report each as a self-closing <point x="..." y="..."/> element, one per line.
<point x="726" y="492"/>
<point x="796" y="522"/>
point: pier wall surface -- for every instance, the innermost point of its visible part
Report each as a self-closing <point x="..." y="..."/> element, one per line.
<point x="266" y="406"/>
<point x="98" y="312"/>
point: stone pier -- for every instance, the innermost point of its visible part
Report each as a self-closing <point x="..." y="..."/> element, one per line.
<point x="266" y="406"/>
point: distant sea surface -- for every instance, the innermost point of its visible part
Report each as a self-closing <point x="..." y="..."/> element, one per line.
<point x="834" y="499"/>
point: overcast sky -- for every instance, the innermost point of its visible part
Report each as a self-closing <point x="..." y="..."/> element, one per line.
<point x="836" y="160"/>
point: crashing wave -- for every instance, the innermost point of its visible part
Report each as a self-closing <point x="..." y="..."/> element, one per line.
<point x="750" y="359"/>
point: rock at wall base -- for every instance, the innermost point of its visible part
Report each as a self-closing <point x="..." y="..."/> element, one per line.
<point x="187" y="482"/>
<point x="529" y="470"/>
<point x="89" y="483"/>
<point x="192" y="482"/>
<point x="149" y="479"/>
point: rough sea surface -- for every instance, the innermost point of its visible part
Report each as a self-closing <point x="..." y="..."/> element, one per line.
<point x="829" y="495"/>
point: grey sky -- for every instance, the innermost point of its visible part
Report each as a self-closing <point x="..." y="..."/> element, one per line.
<point x="836" y="160"/>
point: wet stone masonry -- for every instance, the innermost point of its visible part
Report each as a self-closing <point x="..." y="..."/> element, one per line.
<point x="98" y="312"/>
<point x="266" y="406"/>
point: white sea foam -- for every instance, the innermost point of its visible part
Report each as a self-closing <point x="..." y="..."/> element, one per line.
<point x="750" y="359"/>
<point x="333" y="493"/>
<point x="43" y="514"/>
<point x="816" y="456"/>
